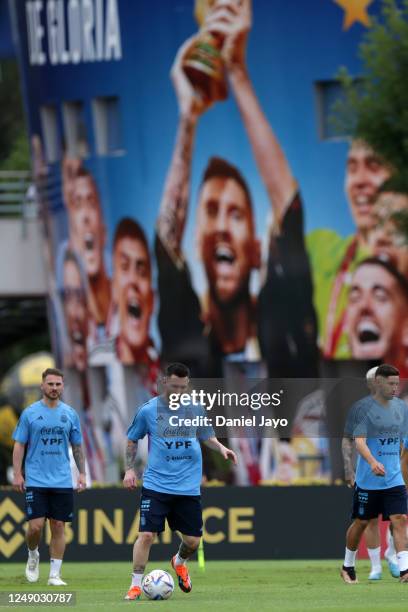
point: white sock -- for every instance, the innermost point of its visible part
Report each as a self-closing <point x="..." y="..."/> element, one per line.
<point x="55" y="567"/>
<point x="403" y="560"/>
<point x="375" y="558"/>
<point x="33" y="553"/>
<point x="179" y="560"/>
<point x="391" y="546"/>
<point x="350" y="558"/>
<point x="137" y="579"/>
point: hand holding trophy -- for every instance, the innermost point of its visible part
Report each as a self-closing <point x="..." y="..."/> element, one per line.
<point x="192" y="100"/>
<point x="204" y="64"/>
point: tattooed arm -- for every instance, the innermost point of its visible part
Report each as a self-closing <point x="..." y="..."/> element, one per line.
<point x="79" y="458"/>
<point x="269" y="155"/>
<point x="347" y="445"/>
<point x="173" y="207"/>
<point x="129" y="480"/>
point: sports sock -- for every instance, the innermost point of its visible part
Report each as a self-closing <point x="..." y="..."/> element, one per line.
<point x="403" y="560"/>
<point x="391" y="547"/>
<point x="350" y="558"/>
<point x="137" y="579"/>
<point x="55" y="567"/>
<point x="33" y="553"/>
<point x="375" y="558"/>
<point x="179" y="560"/>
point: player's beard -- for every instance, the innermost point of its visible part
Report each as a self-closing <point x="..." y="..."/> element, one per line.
<point x="54" y="396"/>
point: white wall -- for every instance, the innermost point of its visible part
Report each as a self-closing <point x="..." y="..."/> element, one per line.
<point x="22" y="266"/>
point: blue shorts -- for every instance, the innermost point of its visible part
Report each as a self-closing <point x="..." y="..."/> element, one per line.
<point x="183" y="512"/>
<point x="368" y="504"/>
<point x="57" y="504"/>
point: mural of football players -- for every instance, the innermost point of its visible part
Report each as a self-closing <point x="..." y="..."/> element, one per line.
<point x="228" y="316"/>
<point x="377" y="314"/>
<point x="88" y="236"/>
<point x="389" y="238"/>
<point x="75" y="310"/>
<point x="132" y="292"/>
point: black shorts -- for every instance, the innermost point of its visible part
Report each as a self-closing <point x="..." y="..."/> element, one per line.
<point x="183" y="512"/>
<point x="57" y="504"/>
<point x="368" y="504"/>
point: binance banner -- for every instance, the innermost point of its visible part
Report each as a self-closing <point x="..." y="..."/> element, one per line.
<point x="235" y="520"/>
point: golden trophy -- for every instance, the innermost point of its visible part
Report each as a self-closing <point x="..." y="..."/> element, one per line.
<point x="203" y="63"/>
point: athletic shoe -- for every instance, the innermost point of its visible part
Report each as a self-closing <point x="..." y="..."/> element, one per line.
<point x="393" y="567"/>
<point x="32" y="570"/>
<point x="349" y="575"/>
<point x="375" y="575"/>
<point x="133" y="593"/>
<point x="182" y="575"/>
<point x="56" y="581"/>
<point x="404" y="577"/>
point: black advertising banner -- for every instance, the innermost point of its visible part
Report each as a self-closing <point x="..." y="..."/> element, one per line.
<point x="239" y="523"/>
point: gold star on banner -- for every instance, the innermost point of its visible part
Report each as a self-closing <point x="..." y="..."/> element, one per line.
<point x="354" y="10"/>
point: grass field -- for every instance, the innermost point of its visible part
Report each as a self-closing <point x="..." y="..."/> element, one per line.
<point x="224" y="585"/>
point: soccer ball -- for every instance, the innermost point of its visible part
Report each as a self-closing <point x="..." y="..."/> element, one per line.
<point x="158" y="584"/>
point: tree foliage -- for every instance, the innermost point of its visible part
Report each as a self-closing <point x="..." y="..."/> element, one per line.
<point x="377" y="109"/>
<point x="14" y="149"/>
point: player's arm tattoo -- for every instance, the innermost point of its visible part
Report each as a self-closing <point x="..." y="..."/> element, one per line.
<point x="347" y="450"/>
<point x="79" y="457"/>
<point x="173" y="207"/>
<point x="130" y="455"/>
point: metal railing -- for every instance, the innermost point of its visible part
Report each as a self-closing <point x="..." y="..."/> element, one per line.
<point x="17" y="194"/>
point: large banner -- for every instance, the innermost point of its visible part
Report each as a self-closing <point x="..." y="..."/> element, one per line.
<point x="239" y="523"/>
<point x="199" y="208"/>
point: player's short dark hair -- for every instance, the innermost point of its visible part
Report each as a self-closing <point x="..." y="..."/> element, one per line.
<point x="52" y="372"/>
<point x="129" y="228"/>
<point x="218" y="167"/>
<point x="85" y="173"/>
<point x="390" y="268"/>
<point x="385" y="370"/>
<point x="177" y="369"/>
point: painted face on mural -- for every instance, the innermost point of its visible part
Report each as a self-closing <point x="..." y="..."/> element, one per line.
<point x="133" y="291"/>
<point x="388" y="240"/>
<point x="75" y="310"/>
<point x="86" y="225"/>
<point x="377" y="313"/>
<point x="365" y="173"/>
<point x="225" y="237"/>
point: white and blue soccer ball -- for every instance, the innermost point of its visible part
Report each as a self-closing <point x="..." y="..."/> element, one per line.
<point x="158" y="584"/>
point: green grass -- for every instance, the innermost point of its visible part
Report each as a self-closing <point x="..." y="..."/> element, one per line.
<point x="252" y="586"/>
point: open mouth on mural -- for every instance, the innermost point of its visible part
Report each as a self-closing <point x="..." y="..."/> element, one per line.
<point x="364" y="203"/>
<point x="367" y="332"/>
<point x="224" y="258"/>
<point x="89" y="242"/>
<point x="134" y="309"/>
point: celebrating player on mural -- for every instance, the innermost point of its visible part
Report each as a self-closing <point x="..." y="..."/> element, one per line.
<point x="226" y="237"/>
